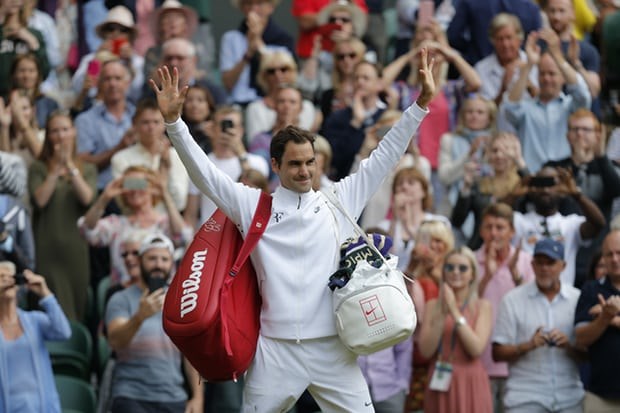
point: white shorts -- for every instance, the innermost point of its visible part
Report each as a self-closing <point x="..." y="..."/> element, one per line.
<point x="283" y="369"/>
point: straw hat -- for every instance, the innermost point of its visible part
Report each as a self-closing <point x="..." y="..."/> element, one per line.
<point x="358" y="17"/>
<point x="118" y="15"/>
<point x="191" y="17"/>
<point x="237" y="3"/>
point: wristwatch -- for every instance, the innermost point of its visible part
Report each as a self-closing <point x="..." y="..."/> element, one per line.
<point x="461" y="321"/>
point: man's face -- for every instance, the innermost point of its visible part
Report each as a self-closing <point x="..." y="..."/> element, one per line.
<point x="547" y="271"/>
<point x="264" y="8"/>
<point x="544" y="198"/>
<point x="506" y="43"/>
<point x="582" y="134"/>
<point x="149" y="125"/>
<point x="156" y="263"/>
<point x="366" y="80"/>
<point x="560" y="14"/>
<point x="496" y="232"/>
<point x="114" y="82"/>
<point x="173" y="24"/>
<point x="550" y="78"/>
<point x="611" y="254"/>
<point x="288" y="104"/>
<point x="297" y="168"/>
<point x="175" y="54"/>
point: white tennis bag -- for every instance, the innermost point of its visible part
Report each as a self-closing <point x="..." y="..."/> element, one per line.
<point x="373" y="310"/>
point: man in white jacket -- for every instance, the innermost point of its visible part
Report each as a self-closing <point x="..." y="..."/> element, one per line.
<point x="298" y="347"/>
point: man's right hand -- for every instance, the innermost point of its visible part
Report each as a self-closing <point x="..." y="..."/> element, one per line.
<point x="169" y="98"/>
<point x="150" y="303"/>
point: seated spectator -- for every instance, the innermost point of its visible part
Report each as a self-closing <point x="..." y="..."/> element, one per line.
<point x="474" y="128"/>
<point x="378" y="207"/>
<point x="534" y="333"/>
<point x="229" y="155"/>
<point x="25" y="76"/>
<point x="172" y="19"/>
<point x="468" y="30"/>
<point x="306" y="13"/>
<point x="502" y="268"/>
<point x="181" y="53"/>
<point x="276" y="70"/>
<point x="338" y="21"/>
<point x="488" y="179"/>
<point x="597" y="327"/>
<point x="541" y="121"/>
<point x="47" y="26"/>
<point x="197" y="111"/>
<point x="27" y="383"/>
<point x="545" y="190"/>
<point x="346" y="56"/>
<point x="17" y="38"/>
<point x="118" y="34"/>
<point x="501" y="68"/>
<point x="153" y="151"/>
<point x="411" y="204"/>
<point x="19" y="131"/>
<point x="61" y="188"/>
<point x="138" y="190"/>
<point x="103" y="129"/>
<point x="580" y="54"/>
<point x="148" y="374"/>
<point x="456" y="329"/>
<point x="241" y="49"/>
<point x="344" y="129"/>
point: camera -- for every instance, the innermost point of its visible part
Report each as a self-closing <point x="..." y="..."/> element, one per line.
<point x="20" y="278"/>
<point x="542" y="181"/>
<point x="226" y="124"/>
<point x="155" y="283"/>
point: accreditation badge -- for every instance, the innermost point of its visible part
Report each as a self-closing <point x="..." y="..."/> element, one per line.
<point x="441" y="376"/>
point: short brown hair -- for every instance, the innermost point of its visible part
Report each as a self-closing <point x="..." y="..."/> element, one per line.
<point x="415" y="174"/>
<point x="499" y="210"/>
<point x="286" y="135"/>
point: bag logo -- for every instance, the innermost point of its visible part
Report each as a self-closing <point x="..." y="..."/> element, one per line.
<point x="212" y="226"/>
<point x="373" y="312"/>
<point x="192" y="283"/>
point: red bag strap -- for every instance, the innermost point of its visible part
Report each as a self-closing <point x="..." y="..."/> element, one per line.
<point x="258" y="226"/>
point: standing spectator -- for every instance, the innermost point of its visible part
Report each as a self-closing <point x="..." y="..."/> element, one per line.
<point x="228" y="155"/>
<point x="17" y="38"/>
<point x="541" y="121"/>
<point x="545" y="190"/>
<point x="468" y="34"/>
<point x="62" y="188"/>
<point x="19" y="131"/>
<point x="45" y="24"/>
<point x="197" y="113"/>
<point x="148" y="375"/>
<point x="102" y="130"/>
<point x="26" y="376"/>
<point x="25" y="76"/>
<point x="502" y="268"/>
<point x="579" y="53"/>
<point x="597" y="329"/>
<point x="118" y="34"/>
<point x="306" y="13"/>
<point x="241" y="49"/>
<point x="534" y="333"/>
<point x="456" y="329"/>
<point x="153" y="151"/>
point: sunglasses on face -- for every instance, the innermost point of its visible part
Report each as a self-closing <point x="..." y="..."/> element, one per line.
<point x="339" y="19"/>
<point x="125" y="254"/>
<point x="342" y="56"/>
<point x="113" y="27"/>
<point x="273" y="70"/>
<point x="462" y="268"/>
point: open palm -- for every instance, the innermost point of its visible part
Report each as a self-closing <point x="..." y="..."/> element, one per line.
<point x="169" y="98"/>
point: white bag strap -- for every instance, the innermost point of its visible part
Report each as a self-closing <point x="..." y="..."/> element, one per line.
<point x="330" y="194"/>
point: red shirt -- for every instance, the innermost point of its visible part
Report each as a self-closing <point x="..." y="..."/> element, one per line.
<point x="306" y="37"/>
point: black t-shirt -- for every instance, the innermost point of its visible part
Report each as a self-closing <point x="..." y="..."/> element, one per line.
<point x="605" y="352"/>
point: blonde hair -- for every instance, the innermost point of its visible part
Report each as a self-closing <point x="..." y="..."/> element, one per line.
<point x="491" y="108"/>
<point x="268" y="60"/>
<point x="472" y="293"/>
<point x="502" y="20"/>
<point x="439" y="230"/>
<point x="322" y="146"/>
<point x="360" y="50"/>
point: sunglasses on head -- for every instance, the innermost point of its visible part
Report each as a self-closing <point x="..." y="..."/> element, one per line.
<point x="339" y="19"/>
<point x="125" y="254"/>
<point x="342" y="56"/>
<point x="453" y="267"/>
<point x="273" y="70"/>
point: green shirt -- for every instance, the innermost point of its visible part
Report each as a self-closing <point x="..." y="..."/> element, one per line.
<point x="202" y="7"/>
<point x="611" y="42"/>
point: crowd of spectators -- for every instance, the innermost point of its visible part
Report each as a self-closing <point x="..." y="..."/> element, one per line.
<point x="504" y="207"/>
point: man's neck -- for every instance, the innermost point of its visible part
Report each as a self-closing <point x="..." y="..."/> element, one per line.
<point x="223" y="152"/>
<point x="370" y="102"/>
<point x="116" y="108"/>
<point x="151" y="144"/>
<point x="551" y="292"/>
<point x="503" y="253"/>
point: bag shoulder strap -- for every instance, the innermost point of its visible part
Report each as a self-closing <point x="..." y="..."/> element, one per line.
<point x="257" y="227"/>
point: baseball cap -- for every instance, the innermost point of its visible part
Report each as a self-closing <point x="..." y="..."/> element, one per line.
<point x="156" y="240"/>
<point x="550" y="248"/>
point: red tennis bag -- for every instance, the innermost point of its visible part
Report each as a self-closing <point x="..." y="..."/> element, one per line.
<point x="212" y="307"/>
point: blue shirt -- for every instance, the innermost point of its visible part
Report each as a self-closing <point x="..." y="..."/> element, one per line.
<point x="546" y="375"/>
<point x="99" y="131"/>
<point x="542" y="127"/>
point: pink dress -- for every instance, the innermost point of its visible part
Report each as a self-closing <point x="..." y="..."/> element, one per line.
<point x="469" y="391"/>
